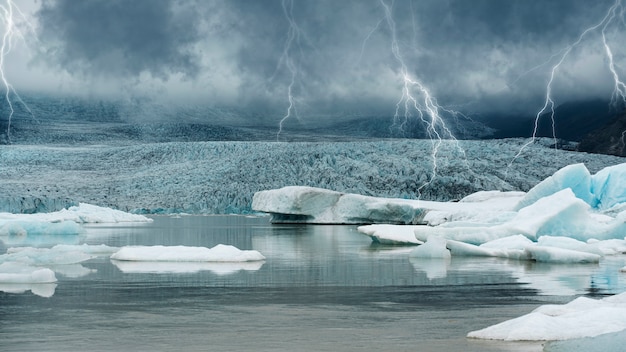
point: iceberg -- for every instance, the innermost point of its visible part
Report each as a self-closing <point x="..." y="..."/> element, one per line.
<point x="582" y="317"/>
<point x="302" y="204"/>
<point x="219" y="253"/>
<point x="575" y="177"/>
<point x="609" y="186"/>
<point x="62" y="222"/>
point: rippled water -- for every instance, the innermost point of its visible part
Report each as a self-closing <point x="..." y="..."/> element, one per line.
<point x="322" y="288"/>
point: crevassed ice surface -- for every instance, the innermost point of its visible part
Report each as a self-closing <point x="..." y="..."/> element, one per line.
<point x="221" y="177"/>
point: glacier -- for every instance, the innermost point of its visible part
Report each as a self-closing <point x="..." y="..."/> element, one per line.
<point x="222" y="177"/>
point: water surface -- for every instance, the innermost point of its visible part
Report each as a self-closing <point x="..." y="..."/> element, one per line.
<point x="322" y="288"/>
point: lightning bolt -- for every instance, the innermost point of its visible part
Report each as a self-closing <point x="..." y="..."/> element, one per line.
<point x="619" y="93"/>
<point x="293" y="36"/>
<point x="417" y="101"/>
<point x="8" y="13"/>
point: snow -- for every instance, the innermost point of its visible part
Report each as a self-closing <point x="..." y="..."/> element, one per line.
<point x="219" y="253"/>
<point x="582" y="317"/>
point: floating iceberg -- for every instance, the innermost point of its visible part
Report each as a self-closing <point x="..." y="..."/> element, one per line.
<point x="63" y="222"/>
<point x="219" y="253"/>
<point x="582" y="317"/>
<point x="300" y="204"/>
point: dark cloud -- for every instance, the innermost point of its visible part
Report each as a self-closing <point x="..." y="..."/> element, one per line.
<point x="119" y="37"/>
<point x="480" y="55"/>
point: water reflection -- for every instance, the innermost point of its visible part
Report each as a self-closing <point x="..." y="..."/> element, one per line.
<point x="324" y="256"/>
<point x="42" y="290"/>
<point x="185" y="267"/>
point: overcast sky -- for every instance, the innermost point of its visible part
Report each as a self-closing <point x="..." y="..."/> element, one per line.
<point x="477" y="56"/>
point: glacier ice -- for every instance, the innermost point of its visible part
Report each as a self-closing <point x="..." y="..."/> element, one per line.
<point x="582" y="317"/>
<point x="221" y="177"/>
<point x="219" y="253"/>
<point x="609" y="186"/>
<point x="303" y="204"/>
<point x="575" y="177"/>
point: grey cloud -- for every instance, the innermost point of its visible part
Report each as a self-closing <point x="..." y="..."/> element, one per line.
<point x="473" y="54"/>
<point x="120" y="38"/>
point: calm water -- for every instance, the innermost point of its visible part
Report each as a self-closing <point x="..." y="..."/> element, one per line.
<point x="322" y="288"/>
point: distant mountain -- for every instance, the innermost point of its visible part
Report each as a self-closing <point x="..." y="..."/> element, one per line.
<point x="572" y="121"/>
<point x="608" y="139"/>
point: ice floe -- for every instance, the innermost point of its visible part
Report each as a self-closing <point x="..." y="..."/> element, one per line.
<point x="62" y="222"/>
<point x="219" y="253"/>
<point x="582" y="317"/>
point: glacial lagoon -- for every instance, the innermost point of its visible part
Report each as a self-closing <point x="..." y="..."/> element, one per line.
<point x="321" y="288"/>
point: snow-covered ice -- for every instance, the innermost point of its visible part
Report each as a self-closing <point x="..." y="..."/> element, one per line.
<point x="582" y="317"/>
<point x="219" y="253"/>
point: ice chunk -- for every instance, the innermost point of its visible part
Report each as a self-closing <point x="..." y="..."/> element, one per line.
<point x="14" y="273"/>
<point x="315" y="205"/>
<point x="219" y="253"/>
<point x="582" y="317"/>
<point x="609" y="186"/>
<point x="510" y="242"/>
<point x="559" y="214"/>
<point x="435" y="247"/>
<point x="575" y="177"/>
<point x="560" y="255"/>
<point x="21" y="228"/>
<point x="569" y="243"/>
<point x="469" y="250"/>
<point x="83" y="213"/>
<point x="390" y="234"/>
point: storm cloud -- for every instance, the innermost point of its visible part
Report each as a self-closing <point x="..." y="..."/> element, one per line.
<point x="477" y="56"/>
